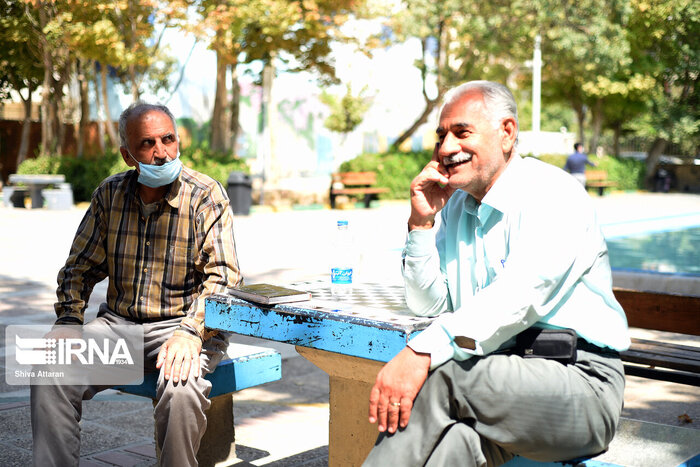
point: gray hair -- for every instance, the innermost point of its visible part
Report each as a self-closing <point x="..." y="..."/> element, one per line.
<point x="137" y="109"/>
<point x="498" y="99"/>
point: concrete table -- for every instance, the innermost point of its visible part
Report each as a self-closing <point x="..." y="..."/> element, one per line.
<point x="350" y="340"/>
<point x="36" y="183"/>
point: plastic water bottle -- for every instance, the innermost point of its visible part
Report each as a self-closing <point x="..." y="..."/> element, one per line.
<point x="342" y="262"/>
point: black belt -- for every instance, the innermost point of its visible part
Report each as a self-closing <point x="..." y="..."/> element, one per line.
<point x="583" y="344"/>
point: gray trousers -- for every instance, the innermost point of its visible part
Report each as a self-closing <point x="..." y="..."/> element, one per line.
<point x="180" y="421"/>
<point x="485" y="410"/>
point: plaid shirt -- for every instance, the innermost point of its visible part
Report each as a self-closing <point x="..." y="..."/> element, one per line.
<point x="160" y="266"/>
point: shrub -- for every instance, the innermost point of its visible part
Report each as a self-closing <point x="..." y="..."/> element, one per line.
<point x="395" y="170"/>
<point x="84" y="175"/>
<point x="627" y="173"/>
<point x="215" y="164"/>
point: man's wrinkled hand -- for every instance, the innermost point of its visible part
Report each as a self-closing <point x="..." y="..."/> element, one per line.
<point x="178" y="355"/>
<point x="396" y="387"/>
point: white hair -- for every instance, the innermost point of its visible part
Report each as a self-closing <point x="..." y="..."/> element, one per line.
<point x="498" y="99"/>
<point x="137" y="109"/>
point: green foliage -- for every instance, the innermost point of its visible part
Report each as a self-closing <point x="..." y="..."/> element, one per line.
<point x="84" y="175"/>
<point x="217" y="165"/>
<point x="19" y="68"/>
<point x="196" y="132"/>
<point x="347" y="112"/>
<point x="558" y="160"/>
<point x="395" y="170"/>
<point x="627" y="173"/>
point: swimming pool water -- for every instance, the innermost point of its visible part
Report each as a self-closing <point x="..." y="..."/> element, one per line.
<point x="675" y="251"/>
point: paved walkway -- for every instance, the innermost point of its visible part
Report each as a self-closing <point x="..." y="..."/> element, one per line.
<point x="278" y="424"/>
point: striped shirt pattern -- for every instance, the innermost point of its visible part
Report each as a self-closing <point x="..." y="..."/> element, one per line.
<point x="161" y="265"/>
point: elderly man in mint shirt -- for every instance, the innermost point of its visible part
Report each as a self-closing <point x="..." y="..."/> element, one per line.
<point x="516" y="273"/>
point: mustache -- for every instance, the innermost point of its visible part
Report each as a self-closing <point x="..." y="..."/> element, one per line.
<point x="456" y="158"/>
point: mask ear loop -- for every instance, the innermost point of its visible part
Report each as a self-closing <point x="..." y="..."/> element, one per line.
<point x="129" y="153"/>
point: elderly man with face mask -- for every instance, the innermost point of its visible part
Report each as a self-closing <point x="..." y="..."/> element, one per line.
<point x="163" y="236"/>
<point x="522" y="357"/>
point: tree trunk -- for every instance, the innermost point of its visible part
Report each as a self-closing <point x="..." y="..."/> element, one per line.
<point x="59" y="112"/>
<point x="135" y="93"/>
<point x="617" y="130"/>
<point x="265" y="155"/>
<point x="60" y="105"/>
<point x="98" y="108"/>
<point x="581" y="119"/>
<point x="84" y="109"/>
<point x="26" y="126"/>
<point x="597" y="117"/>
<point x="429" y="106"/>
<point x="218" y="117"/>
<point x="235" y="108"/>
<point x="47" y="124"/>
<point x="113" y="141"/>
<point x="653" y="156"/>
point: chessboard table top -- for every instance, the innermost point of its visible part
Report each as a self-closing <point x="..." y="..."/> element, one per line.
<point x="373" y="323"/>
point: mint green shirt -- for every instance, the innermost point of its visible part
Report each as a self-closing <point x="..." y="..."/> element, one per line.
<point x="531" y="252"/>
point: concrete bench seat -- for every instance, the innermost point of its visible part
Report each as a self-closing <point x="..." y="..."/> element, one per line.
<point x="36" y="183"/>
<point x="245" y="366"/>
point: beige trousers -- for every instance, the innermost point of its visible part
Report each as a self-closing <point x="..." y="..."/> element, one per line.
<point x="179" y="410"/>
<point x="483" y="411"/>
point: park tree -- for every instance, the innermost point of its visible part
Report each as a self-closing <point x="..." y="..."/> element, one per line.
<point x="54" y="56"/>
<point x="461" y="41"/>
<point x="71" y="38"/>
<point x="17" y="73"/>
<point x="586" y="57"/>
<point x="664" y="36"/>
<point x="120" y="37"/>
<point x="297" y="34"/>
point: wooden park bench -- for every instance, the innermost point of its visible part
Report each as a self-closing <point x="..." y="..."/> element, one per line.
<point x="599" y="179"/>
<point x="354" y="184"/>
<point x="244" y="366"/>
<point x="662" y="312"/>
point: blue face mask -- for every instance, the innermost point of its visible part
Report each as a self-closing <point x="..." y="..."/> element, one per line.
<point x="155" y="176"/>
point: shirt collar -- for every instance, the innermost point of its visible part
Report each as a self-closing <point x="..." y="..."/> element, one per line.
<point x="172" y="197"/>
<point x="499" y="196"/>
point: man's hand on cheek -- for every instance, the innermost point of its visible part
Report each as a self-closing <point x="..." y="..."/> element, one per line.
<point x="430" y="191"/>
<point x="178" y="355"/>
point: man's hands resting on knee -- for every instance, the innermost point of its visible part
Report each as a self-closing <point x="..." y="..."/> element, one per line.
<point x="178" y="354"/>
<point x="397" y="385"/>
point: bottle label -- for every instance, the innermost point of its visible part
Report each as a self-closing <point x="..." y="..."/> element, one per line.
<point x="341" y="275"/>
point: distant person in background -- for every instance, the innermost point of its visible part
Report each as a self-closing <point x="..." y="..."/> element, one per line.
<point x="576" y="164"/>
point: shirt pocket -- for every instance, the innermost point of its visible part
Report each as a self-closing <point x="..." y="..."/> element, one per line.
<point x="179" y="273"/>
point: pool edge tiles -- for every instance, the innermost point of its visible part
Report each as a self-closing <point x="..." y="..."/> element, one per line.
<point x="659" y="282"/>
